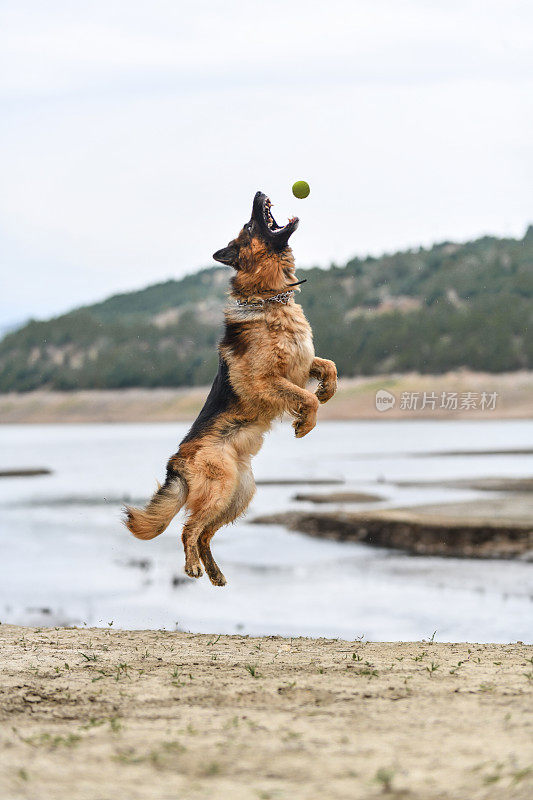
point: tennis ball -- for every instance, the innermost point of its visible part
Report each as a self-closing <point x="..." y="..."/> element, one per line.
<point x="301" y="189"/>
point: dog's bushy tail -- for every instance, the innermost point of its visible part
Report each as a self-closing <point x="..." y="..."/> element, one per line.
<point x="149" y="522"/>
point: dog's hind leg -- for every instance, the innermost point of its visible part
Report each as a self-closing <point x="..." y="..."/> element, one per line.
<point x="238" y="504"/>
<point x="190" y="535"/>
<point x="212" y="484"/>
<point x="211" y="567"/>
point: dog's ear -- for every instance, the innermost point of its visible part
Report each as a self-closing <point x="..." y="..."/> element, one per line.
<point x="228" y="255"/>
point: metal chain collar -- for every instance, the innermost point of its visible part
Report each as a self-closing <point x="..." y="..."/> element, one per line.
<point x="282" y="297"/>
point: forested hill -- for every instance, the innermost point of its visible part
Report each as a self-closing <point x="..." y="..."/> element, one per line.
<point x="430" y="310"/>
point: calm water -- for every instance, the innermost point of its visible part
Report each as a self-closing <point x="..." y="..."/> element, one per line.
<point x="67" y="560"/>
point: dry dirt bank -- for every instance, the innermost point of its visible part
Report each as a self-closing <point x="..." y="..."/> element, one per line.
<point x="117" y="714"/>
<point x="499" y="527"/>
<point x="356" y="399"/>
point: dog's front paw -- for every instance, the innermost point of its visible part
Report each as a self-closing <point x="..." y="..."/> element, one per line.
<point x="303" y="426"/>
<point x="325" y="390"/>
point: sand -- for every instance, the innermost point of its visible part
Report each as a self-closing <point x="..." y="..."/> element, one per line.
<point x="147" y="714"/>
<point x="355" y="399"/>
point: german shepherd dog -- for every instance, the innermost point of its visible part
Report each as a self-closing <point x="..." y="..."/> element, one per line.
<point x="266" y="359"/>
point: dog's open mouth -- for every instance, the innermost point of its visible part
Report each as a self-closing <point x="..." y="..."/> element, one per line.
<point x="269" y="217"/>
<point x="274" y="234"/>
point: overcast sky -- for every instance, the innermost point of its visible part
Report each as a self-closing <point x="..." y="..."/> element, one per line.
<point x="137" y="131"/>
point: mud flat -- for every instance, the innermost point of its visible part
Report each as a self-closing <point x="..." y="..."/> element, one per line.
<point x="299" y="482"/>
<point x="339" y="497"/>
<point x="355" y="399"/>
<point x="524" y="485"/>
<point x="494" y="528"/>
<point x="31" y="472"/>
<point x="98" y="713"/>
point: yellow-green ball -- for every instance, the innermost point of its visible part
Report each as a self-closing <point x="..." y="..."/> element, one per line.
<point x="301" y="189"/>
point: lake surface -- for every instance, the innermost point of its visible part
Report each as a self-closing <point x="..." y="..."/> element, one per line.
<point x="66" y="559"/>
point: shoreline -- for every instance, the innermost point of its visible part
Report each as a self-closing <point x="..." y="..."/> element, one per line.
<point x="355" y="400"/>
<point x="453" y="530"/>
<point x="175" y="714"/>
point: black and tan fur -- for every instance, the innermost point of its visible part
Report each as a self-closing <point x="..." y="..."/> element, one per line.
<point x="266" y="359"/>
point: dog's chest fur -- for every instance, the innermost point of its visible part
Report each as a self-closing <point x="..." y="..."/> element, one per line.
<point x="292" y="342"/>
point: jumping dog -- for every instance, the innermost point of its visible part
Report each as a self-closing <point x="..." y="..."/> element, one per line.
<point x="266" y="359"/>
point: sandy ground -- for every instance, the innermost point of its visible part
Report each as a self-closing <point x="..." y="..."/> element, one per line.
<point x="148" y="714"/>
<point x="356" y="399"/>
